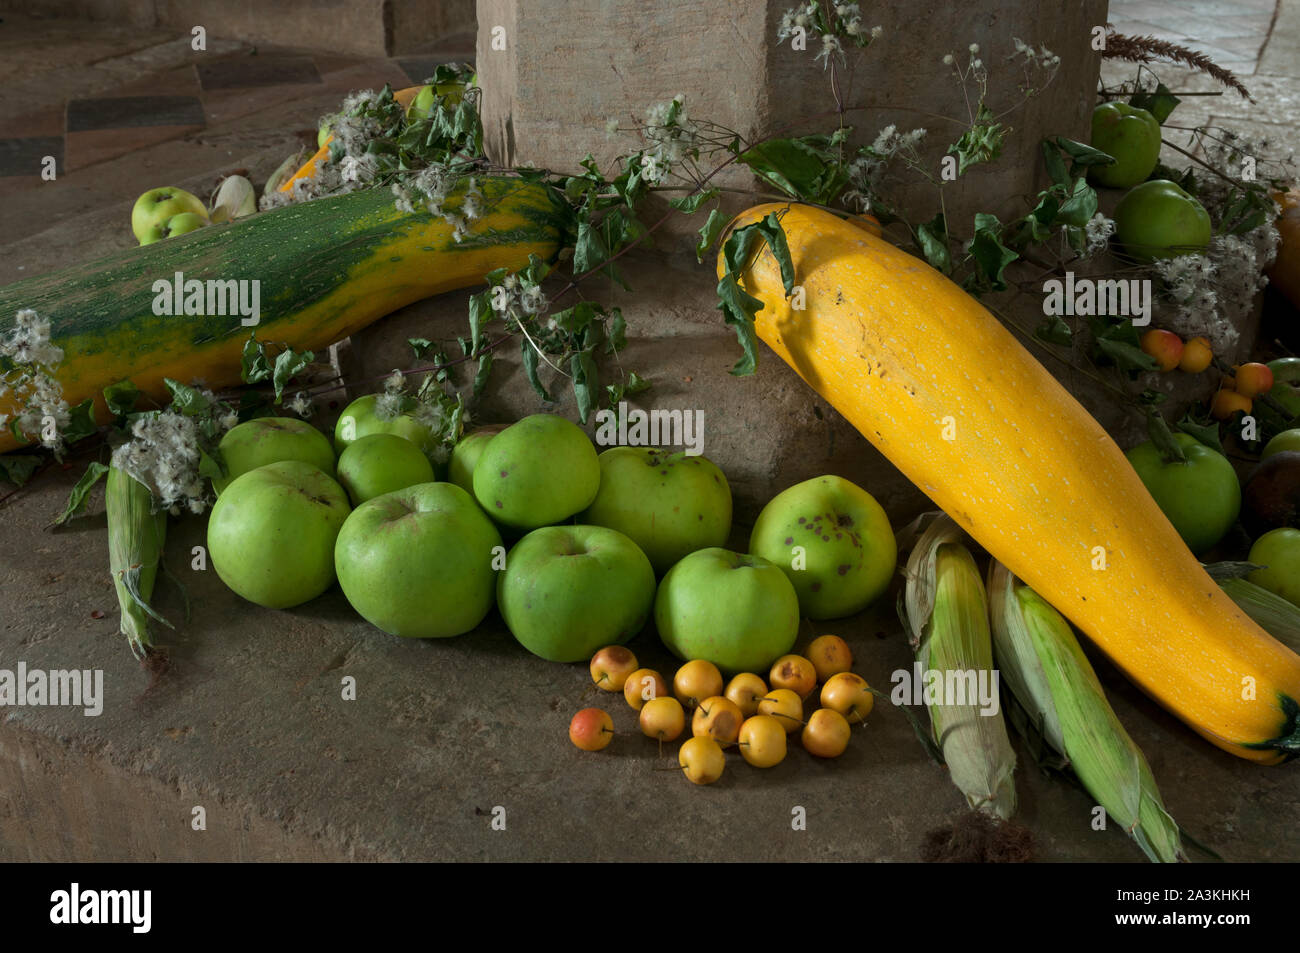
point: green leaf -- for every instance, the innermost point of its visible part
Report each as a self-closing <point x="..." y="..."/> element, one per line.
<point x="932" y="238"/>
<point x="77" y="498"/>
<point x="81" y="421"/>
<point x="1159" y="103"/>
<point x="737" y="305"/>
<point x="287" y="364"/>
<point x="421" y="347"/>
<point x="211" y="467"/>
<point x="1163" y="438"/>
<point x="1055" y="164"/>
<point x="121" y="397"/>
<point x="709" y="233"/>
<point x="810" y="168"/>
<point x="1206" y="433"/>
<point x="616" y="336"/>
<point x="1081" y="206"/>
<point x="530" y="368"/>
<point x="480" y="310"/>
<point x="989" y="253"/>
<point x="738" y="308"/>
<point x="690" y="204"/>
<point x="481" y="376"/>
<point x="254" y="366"/>
<point x="1054" y="330"/>
<point x="17" y="468"/>
<point x="1081" y="154"/>
<point x="981" y="143"/>
<point x="1126" y="356"/>
<point x="576" y="319"/>
<point x="187" y="400"/>
<point x="586" y="380"/>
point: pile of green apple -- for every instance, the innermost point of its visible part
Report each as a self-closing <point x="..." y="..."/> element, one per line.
<point x="746" y="714"/>
<point x="598" y="542"/>
<point x="162" y="213"/>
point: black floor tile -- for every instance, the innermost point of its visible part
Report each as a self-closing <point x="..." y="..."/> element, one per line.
<point x="24" y="156"/>
<point x="126" y="111"/>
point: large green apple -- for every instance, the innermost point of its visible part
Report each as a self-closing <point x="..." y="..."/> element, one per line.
<point x="1279" y="550"/>
<point x="464" y="457"/>
<point x="417" y="562"/>
<point x="738" y="611"/>
<point x="271" y="533"/>
<point x="1286" y="383"/>
<point x="568" y="590"/>
<point x="360" y="419"/>
<point x="670" y="504"/>
<point x="1157" y="219"/>
<point x="833" y="540"/>
<point x="1201" y="497"/>
<point x="153" y="209"/>
<point x="381" y="463"/>
<point x="263" y="440"/>
<point x="176" y="225"/>
<point x="1129" y="134"/>
<point x="537" y="472"/>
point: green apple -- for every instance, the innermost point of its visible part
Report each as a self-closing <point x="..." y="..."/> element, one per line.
<point x="1129" y="134"/>
<point x="361" y="418"/>
<point x="263" y="440"/>
<point x="670" y="504"/>
<point x="536" y="472"/>
<point x="154" y="208"/>
<point x="380" y="463"/>
<point x="1286" y="383"/>
<point x="1201" y="497"/>
<point x="451" y="93"/>
<point x="271" y="533"/>
<point x="464" y="456"/>
<point x="1287" y="440"/>
<point x="834" y="542"/>
<point x="1279" y="551"/>
<point x="417" y="562"/>
<point x="567" y="591"/>
<point x="739" y="612"/>
<point x="1157" y="219"/>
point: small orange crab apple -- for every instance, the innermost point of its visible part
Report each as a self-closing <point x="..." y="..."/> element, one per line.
<point x="827" y="734"/>
<point x="849" y="695"/>
<point x="830" y="655"/>
<point x="591" y="729"/>
<point x="719" y="718"/>
<point x="1197" y="355"/>
<point x="795" y="673"/>
<point x="1254" y="379"/>
<point x="662" y="718"/>
<point x="643" y="685"/>
<point x="1165" y="346"/>
<point x="611" y="666"/>
<point x="695" y="681"/>
<point x="746" y="690"/>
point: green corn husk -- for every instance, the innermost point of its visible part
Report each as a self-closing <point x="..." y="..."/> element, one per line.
<point x="135" y="544"/>
<point x="1278" y="617"/>
<point x="947" y="613"/>
<point x="1045" y="669"/>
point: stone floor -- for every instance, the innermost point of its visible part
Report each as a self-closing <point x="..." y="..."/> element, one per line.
<point x="251" y="724"/>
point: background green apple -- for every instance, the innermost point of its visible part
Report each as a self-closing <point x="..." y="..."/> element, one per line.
<point x="1286" y="440"/>
<point x="1201" y="497"/>
<point x="263" y="440"/>
<point x="176" y="225"/>
<point x="418" y="562"/>
<point x="1286" y="383"/>
<point x="536" y="472"/>
<point x="569" y="590"/>
<point x="464" y="457"/>
<point x="380" y="463"/>
<point x="737" y="611"/>
<point x="1129" y="134"/>
<point x="849" y="552"/>
<point x="1157" y="219"/>
<point x="1279" y="550"/>
<point x="670" y="504"/>
<point x="156" y="206"/>
<point x="359" y="419"/>
<point x="271" y="533"/>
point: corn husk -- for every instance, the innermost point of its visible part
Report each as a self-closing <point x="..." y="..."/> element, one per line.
<point x="947" y="614"/>
<point x="135" y="544"/>
<point x="1278" y="617"/>
<point x="235" y="198"/>
<point x="1044" y="667"/>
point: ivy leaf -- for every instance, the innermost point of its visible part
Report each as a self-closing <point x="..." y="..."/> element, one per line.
<point x="981" y="143"/>
<point x="1055" y="164"/>
<point x="1159" y="104"/>
<point x="1206" y="433"/>
<point x="287" y="364"/>
<point x="421" y="347"/>
<point x="1081" y="205"/>
<point x="632" y="386"/>
<point x="530" y="368"/>
<point x="481" y="376"/>
<point x="616" y="336"/>
<point x="121" y="397"/>
<point x="989" y="252"/>
<point x="690" y="204"/>
<point x="1054" y="330"/>
<point x="1119" y="342"/>
<point x="187" y="400"/>
<point x="1080" y="154"/>
<point x="932" y="238"/>
<point x="17" y="468"/>
<point x="77" y="498"/>
<point x="739" y="306"/>
<point x="709" y="233"/>
<point x="254" y="367"/>
<point x="81" y="421"/>
<point x="586" y="379"/>
<point x="808" y="168"/>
